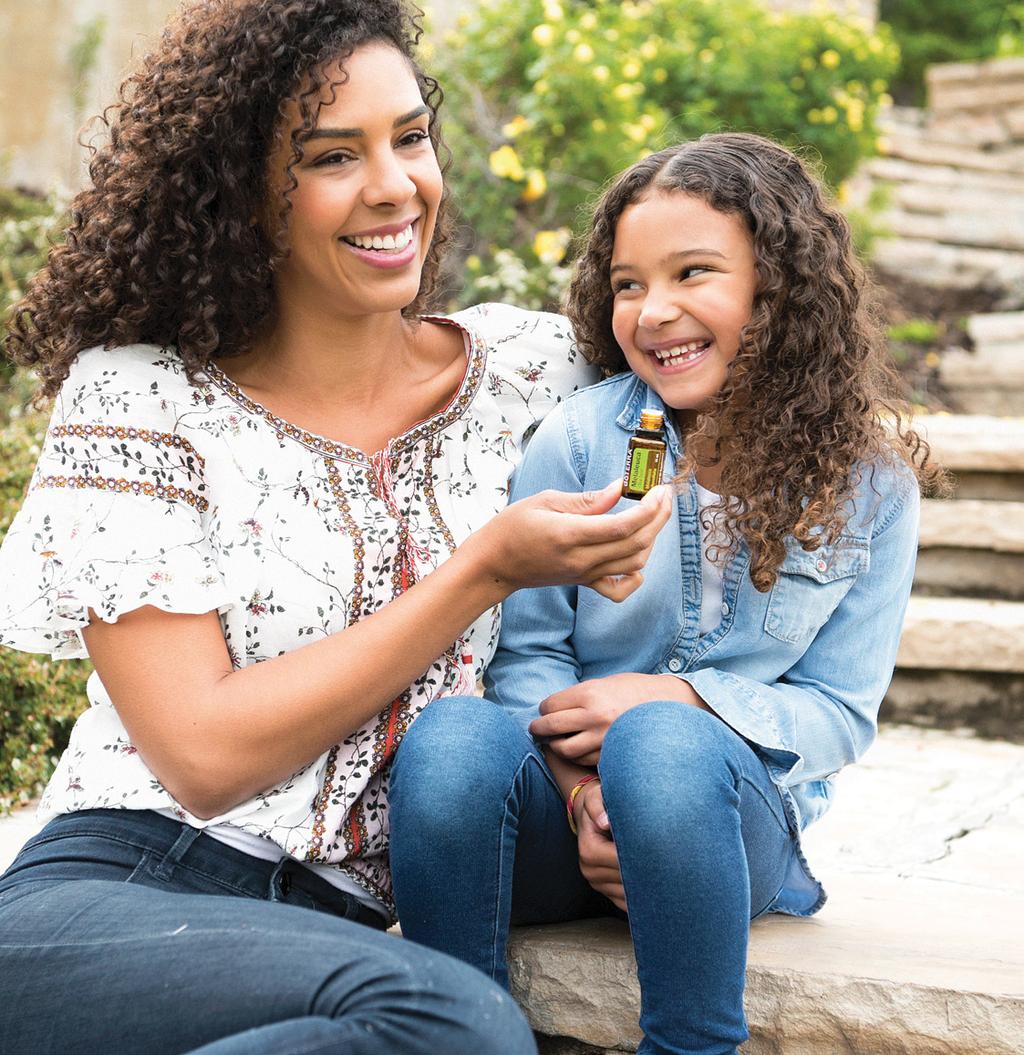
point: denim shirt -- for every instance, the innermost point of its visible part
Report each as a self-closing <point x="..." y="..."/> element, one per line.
<point x="799" y="671"/>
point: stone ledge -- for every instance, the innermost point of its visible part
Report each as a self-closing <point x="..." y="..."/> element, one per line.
<point x="956" y="633"/>
<point x="972" y="524"/>
<point x="919" y="951"/>
<point x="977" y="443"/>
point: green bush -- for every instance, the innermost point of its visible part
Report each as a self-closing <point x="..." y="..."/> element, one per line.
<point x="39" y="698"/>
<point x="930" y="31"/>
<point x="553" y="97"/>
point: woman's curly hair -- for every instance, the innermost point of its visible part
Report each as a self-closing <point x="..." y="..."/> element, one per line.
<point x="165" y="247"/>
<point x="810" y="399"/>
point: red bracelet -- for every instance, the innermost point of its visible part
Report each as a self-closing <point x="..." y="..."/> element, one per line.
<point x="570" y="802"/>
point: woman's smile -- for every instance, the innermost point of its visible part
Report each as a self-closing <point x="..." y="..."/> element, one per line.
<point x="393" y="245"/>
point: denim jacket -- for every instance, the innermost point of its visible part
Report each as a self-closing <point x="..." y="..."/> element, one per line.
<point x="799" y="672"/>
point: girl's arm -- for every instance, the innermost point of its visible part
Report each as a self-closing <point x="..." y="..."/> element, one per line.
<point x="216" y="736"/>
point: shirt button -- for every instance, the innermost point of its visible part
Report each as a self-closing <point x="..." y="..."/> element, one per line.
<point x="725" y="608"/>
<point x="822" y="564"/>
<point x="674" y="665"/>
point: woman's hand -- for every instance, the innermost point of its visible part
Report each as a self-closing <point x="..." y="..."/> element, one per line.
<point x="599" y="860"/>
<point x="580" y="716"/>
<point x="556" y="538"/>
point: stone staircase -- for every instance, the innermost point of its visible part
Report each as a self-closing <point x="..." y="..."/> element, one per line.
<point x="953" y="174"/>
<point x="990" y="378"/>
<point x="961" y="659"/>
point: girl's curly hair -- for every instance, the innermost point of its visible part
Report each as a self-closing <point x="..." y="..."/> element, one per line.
<point x="810" y="399"/>
<point x="164" y="247"/>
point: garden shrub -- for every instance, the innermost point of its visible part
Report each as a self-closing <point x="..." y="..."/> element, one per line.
<point x="39" y="698"/>
<point x="551" y="98"/>
<point x="930" y="31"/>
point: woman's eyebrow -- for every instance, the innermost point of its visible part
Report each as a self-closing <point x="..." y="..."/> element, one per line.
<point x="355" y="133"/>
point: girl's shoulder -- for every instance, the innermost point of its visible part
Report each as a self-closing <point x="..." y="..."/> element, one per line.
<point x="885" y="490"/>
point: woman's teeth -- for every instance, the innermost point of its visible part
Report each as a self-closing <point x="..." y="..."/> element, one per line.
<point x="388" y="243"/>
<point x="681" y="353"/>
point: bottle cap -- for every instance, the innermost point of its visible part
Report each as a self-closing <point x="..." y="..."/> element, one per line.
<point x="651" y="420"/>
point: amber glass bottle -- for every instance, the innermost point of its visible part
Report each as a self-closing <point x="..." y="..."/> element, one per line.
<point x="645" y="457"/>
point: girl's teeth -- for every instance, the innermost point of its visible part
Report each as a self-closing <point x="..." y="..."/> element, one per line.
<point x="683" y="353"/>
<point x="387" y="243"/>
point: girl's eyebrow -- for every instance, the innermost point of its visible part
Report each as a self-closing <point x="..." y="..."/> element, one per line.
<point x="682" y="254"/>
<point x="355" y="133"/>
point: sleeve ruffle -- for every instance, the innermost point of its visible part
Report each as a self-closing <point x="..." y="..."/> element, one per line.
<point x="71" y="550"/>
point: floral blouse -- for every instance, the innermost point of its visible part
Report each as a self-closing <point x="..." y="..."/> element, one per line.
<point x="192" y="498"/>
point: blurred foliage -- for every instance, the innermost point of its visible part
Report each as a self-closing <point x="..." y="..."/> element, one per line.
<point x="915" y="331"/>
<point x="929" y="31"/>
<point x="28" y="227"/>
<point x="39" y="698"/>
<point x="554" y="97"/>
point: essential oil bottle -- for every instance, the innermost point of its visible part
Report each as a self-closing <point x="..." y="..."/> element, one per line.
<point x="645" y="457"/>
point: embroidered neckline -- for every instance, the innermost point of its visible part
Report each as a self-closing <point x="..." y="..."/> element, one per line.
<point x="328" y="448"/>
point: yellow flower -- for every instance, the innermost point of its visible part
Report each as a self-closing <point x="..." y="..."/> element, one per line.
<point x="463" y="20"/>
<point x="536" y="185"/>
<point x="517" y="125"/>
<point x="814" y="116"/>
<point x="882" y="145"/>
<point x="573" y="36"/>
<point x="830" y="115"/>
<point x="796" y="83"/>
<point x="543" y="35"/>
<point x="599" y="124"/>
<point x="648" y="121"/>
<point x="541" y="87"/>
<point x="553" y="11"/>
<point x="855" y="115"/>
<point x="473" y="262"/>
<point x="878" y="85"/>
<point x="588" y="20"/>
<point x="623" y="91"/>
<point x="550" y="246"/>
<point x="635" y="132"/>
<point x="842" y="193"/>
<point x="505" y="164"/>
<point x="649" y="49"/>
<point x="583" y="53"/>
<point x="600" y="73"/>
<point x="932" y="360"/>
<point x="660" y="75"/>
<point x="885" y="99"/>
<point x="807" y="63"/>
<point x="611" y="34"/>
<point x="631" y="70"/>
<point x="830" y="59"/>
<point x="706" y="56"/>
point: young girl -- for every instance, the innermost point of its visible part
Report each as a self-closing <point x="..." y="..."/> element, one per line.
<point x="693" y="731"/>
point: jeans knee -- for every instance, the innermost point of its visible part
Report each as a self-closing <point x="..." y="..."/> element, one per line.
<point x="661" y="755"/>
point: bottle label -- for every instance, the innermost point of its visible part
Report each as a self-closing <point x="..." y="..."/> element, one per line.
<point x="643" y="470"/>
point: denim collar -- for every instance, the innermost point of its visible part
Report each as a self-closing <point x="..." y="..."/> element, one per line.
<point x="640" y="396"/>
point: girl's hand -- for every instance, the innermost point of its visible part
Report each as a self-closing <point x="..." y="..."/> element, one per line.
<point x="599" y="860"/>
<point x="580" y="716"/>
<point x="557" y="538"/>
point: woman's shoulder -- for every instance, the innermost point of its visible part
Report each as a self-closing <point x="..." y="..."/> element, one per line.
<point x="142" y="370"/>
<point x="504" y="324"/>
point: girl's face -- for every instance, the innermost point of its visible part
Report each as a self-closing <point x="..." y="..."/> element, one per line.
<point x="369" y="188"/>
<point x="684" y="278"/>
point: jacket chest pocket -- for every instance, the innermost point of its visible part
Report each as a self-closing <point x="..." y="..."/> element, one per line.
<point x="810" y="586"/>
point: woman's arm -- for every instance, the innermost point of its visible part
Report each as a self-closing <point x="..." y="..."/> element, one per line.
<point x="214" y="736"/>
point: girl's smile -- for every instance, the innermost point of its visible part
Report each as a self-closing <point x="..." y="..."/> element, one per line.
<point x="684" y="278"/>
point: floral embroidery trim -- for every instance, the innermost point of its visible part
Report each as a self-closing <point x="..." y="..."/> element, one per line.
<point x="332" y="448"/>
<point x="128" y="432"/>
<point x="168" y="492"/>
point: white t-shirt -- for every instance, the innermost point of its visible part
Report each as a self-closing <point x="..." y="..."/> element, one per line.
<point x="711" y="573"/>
<point x="194" y="498"/>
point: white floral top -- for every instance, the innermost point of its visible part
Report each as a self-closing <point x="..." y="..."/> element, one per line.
<point x="152" y="491"/>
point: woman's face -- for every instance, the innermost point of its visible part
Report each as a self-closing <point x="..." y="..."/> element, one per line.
<point x="369" y="188"/>
<point x="683" y="276"/>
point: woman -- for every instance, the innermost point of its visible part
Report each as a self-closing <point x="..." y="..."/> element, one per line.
<point x="266" y="509"/>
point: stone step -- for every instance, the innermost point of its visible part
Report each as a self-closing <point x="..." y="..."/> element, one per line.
<point x="991" y="366"/>
<point x="972" y="524"/>
<point x="937" y="147"/>
<point x="981" y="230"/>
<point x="919" y="950"/>
<point x="966" y="442"/>
<point x="895" y="170"/>
<point x="997" y="328"/>
<point x="965" y="634"/>
<point x="964" y="203"/>
<point x="954" y="267"/>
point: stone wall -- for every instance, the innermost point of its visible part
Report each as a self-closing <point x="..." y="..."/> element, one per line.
<point x="978" y="103"/>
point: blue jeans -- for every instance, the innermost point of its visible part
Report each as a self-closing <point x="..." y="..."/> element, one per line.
<point x="124" y="931"/>
<point x="479" y="841"/>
